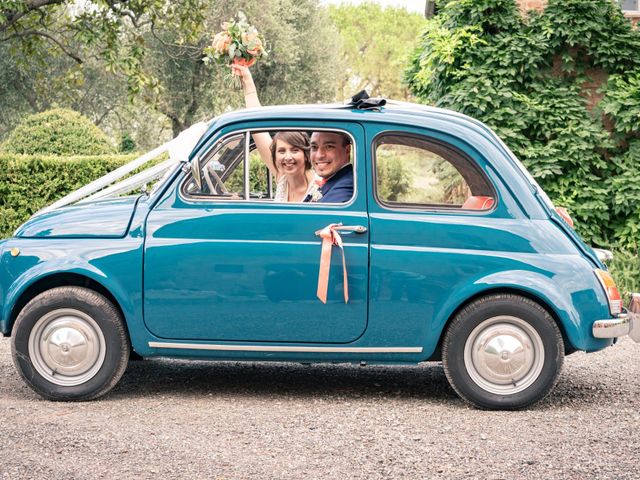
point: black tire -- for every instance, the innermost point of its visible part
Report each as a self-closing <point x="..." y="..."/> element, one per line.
<point x="502" y="352"/>
<point x="70" y="344"/>
<point x="134" y="357"/>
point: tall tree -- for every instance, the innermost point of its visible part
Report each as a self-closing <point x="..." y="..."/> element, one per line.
<point x="111" y="29"/>
<point x="300" y="68"/>
<point x="33" y="86"/>
<point x="376" y="44"/>
<point x="86" y="55"/>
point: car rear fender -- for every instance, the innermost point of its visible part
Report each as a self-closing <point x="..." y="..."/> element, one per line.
<point x="575" y="303"/>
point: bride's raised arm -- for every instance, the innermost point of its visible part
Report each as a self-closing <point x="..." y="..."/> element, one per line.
<point x="262" y="139"/>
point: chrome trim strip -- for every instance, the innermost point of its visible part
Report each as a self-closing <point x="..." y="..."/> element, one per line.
<point x="270" y="348"/>
<point x="245" y="165"/>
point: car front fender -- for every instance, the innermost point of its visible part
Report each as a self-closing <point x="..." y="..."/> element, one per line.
<point x="116" y="266"/>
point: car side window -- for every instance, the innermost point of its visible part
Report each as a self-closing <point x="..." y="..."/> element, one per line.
<point x="260" y="165"/>
<point x="413" y="171"/>
<point x="220" y="172"/>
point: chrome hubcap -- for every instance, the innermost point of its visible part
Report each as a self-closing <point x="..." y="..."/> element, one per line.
<point x="67" y="347"/>
<point x="504" y="355"/>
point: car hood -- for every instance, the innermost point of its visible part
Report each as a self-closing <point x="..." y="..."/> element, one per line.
<point x="109" y="218"/>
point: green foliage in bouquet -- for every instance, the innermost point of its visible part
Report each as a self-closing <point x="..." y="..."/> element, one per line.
<point x="57" y="132"/>
<point x="562" y="89"/>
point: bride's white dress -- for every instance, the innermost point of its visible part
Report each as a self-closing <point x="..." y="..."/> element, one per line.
<point x="282" y="189"/>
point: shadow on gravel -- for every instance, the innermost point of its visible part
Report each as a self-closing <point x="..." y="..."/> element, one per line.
<point x="285" y="380"/>
<point x="575" y="388"/>
<point x="579" y="385"/>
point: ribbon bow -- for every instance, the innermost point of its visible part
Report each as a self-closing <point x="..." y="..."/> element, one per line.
<point x="330" y="237"/>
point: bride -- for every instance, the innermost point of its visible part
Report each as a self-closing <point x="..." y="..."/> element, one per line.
<point x="286" y="155"/>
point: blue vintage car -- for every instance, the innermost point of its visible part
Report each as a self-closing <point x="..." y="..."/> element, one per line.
<point x="453" y="253"/>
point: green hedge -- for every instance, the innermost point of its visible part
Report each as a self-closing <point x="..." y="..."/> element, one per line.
<point x="562" y="89"/>
<point x="30" y="182"/>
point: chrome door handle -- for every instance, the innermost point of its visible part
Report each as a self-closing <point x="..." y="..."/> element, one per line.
<point x="352" y="228"/>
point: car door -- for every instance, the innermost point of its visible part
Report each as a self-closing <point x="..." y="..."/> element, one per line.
<point x="236" y="266"/>
<point x="437" y="224"/>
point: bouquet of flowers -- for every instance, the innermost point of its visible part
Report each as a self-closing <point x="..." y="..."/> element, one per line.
<point x="238" y="43"/>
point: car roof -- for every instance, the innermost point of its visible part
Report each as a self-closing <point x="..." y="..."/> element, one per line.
<point x="396" y="112"/>
<point x="404" y="112"/>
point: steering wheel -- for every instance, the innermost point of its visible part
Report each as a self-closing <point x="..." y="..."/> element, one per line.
<point x="213" y="180"/>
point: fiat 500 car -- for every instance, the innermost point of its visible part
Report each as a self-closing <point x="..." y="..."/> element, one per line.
<point x="452" y="253"/>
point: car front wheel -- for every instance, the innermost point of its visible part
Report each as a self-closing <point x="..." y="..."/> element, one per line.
<point x="502" y="351"/>
<point x="70" y="343"/>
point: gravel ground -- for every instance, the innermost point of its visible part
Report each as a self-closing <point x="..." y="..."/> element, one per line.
<point x="179" y="419"/>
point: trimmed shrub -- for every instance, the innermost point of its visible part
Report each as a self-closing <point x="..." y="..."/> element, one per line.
<point x="57" y="132"/>
<point x="28" y="183"/>
<point x="394" y="179"/>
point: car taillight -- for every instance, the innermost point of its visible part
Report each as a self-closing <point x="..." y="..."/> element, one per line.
<point x="610" y="288"/>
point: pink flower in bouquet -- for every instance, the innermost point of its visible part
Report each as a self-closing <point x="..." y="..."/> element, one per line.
<point x="247" y="38"/>
<point x="257" y="49"/>
<point x="221" y="43"/>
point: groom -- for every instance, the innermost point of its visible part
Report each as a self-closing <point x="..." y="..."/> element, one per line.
<point x="330" y="156"/>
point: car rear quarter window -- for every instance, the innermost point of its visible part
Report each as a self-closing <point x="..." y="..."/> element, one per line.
<point x="413" y="171"/>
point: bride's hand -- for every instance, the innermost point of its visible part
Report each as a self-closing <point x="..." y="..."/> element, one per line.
<point x="241" y="71"/>
<point x="247" y="80"/>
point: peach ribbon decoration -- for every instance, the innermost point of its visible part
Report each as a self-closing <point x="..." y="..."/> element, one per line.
<point x="330" y="237"/>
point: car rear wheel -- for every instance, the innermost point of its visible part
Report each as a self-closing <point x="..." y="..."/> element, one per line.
<point x="502" y="351"/>
<point x="70" y="343"/>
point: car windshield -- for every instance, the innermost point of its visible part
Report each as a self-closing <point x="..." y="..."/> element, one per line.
<point x="148" y="181"/>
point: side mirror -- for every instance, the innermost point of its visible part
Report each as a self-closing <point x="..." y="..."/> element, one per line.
<point x="196" y="172"/>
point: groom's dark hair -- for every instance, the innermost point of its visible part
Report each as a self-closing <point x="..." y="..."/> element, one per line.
<point x="346" y="139"/>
